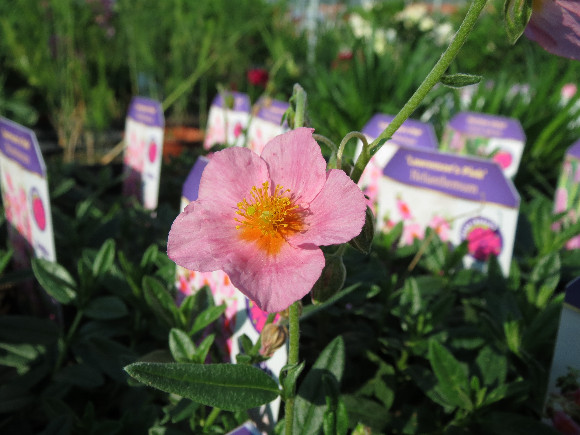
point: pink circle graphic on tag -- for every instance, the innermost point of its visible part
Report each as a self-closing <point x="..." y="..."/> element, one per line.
<point x="38" y="210"/>
<point x="152" y="151"/>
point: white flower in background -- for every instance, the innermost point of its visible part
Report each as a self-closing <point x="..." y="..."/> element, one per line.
<point x="442" y="34"/>
<point x="426" y="24"/>
<point x="361" y="28"/>
<point x="412" y="14"/>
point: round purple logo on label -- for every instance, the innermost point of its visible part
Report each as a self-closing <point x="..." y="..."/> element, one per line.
<point x="483" y="238"/>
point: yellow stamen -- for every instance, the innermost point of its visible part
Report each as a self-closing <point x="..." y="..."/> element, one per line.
<point x="268" y="219"/>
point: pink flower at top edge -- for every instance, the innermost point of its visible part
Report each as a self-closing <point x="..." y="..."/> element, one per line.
<point x="555" y="25"/>
<point x="258" y="77"/>
<point x="261" y="219"/>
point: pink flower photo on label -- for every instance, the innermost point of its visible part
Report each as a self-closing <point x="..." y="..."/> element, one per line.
<point x="38" y="211"/>
<point x="152" y="151"/>
<point x="503" y="159"/>
<point x="483" y="242"/>
<point x="404" y="210"/>
<point x="261" y="219"/>
<point x="441" y="227"/>
<point x="412" y="232"/>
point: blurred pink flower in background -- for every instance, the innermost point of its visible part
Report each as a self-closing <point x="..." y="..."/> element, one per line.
<point x="564" y="423"/>
<point x="404" y="209"/>
<point x="441" y="227"/>
<point x="561" y="203"/>
<point x="412" y="232"/>
<point x="568" y="91"/>
<point x="258" y="77"/>
<point x="555" y="25"/>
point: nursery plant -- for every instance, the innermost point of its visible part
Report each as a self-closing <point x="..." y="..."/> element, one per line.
<point x="392" y="339"/>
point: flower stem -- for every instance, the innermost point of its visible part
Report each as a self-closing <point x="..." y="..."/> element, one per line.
<point x="294" y="320"/>
<point x="210" y="419"/>
<point x="431" y="80"/>
<point x="300" y="96"/>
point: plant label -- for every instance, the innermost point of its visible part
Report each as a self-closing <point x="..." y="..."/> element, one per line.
<point x="143" y="151"/>
<point x="266" y="123"/>
<point x="413" y="134"/>
<point x="496" y="138"/>
<point x="228" y="120"/>
<point x="463" y="199"/>
<point x="25" y="194"/>
<point x="247" y="428"/>
<point x="242" y="316"/>
<point x="562" y="404"/>
<point x="568" y="194"/>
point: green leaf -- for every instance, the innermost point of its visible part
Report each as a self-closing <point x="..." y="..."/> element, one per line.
<point x="225" y="386"/>
<point x="181" y="346"/>
<point x="289" y="375"/>
<point x="80" y="375"/>
<point x="492" y="366"/>
<point x="453" y="383"/>
<point x="203" y="349"/>
<point x="160" y="301"/>
<point x="13" y="398"/>
<point x="459" y="80"/>
<point x="106" y="308"/>
<point x="310" y="401"/>
<point x="55" y="279"/>
<point x="516" y="13"/>
<point x="104" y="259"/>
<point x="207" y="317"/>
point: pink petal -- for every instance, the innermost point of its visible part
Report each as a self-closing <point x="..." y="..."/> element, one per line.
<point x="200" y="237"/>
<point x="230" y="175"/>
<point x="274" y="282"/>
<point x="336" y="215"/>
<point x="555" y="25"/>
<point x="295" y="162"/>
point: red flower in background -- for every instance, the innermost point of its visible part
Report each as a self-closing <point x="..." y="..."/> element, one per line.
<point x="555" y="25"/>
<point x="258" y="77"/>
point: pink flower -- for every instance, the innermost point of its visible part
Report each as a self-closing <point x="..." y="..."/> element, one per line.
<point x="568" y="91"/>
<point x="555" y="25"/>
<point x="412" y="232"/>
<point x="238" y="130"/>
<point x="260" y="219"/>
<point x="258" y="77"/>
<point x="503" y="159"/>
<point x="441" y="227"/>
<point x="573" y="243"/>
<point x="404" y="210"/>
<point x="483" y="242"/>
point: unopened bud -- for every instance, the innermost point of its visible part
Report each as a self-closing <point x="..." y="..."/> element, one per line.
<point x="364" y="240"/>
<point x="331" y="280"/>
<point x="273" y="338"/>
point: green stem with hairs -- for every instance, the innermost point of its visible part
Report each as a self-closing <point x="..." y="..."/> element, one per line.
<point x="431" y="80"/>
<point x="293" y="356"/>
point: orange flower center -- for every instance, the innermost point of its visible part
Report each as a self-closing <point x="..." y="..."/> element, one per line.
<point x="268" y="219"/>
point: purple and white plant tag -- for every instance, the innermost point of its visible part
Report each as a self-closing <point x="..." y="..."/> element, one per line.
<point x="568" y="194"/>
<point x="497" y="138"/>
<point x="462" y="198"/>
<point x="228" y="120"/>
<point x="413" y="134"/>
<point x="562" y="404"/>
<point x="242" y="316"/>
<point x="25" y="194"/>
<point x="143" y="151"/>
<point x="266" y="123"/>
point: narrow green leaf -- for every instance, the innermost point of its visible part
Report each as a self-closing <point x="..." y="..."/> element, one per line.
<point x="181" y="346"/>
<point x="106" y="308"/>
<point x="310" y="401"/>
<point x="160" y="301"/>
<point x="27" y="329"/>
<point x="459" y="80"/>
<point x="517" y="13"/>
<point x="104" y="259"/>
<point x="207" y="317"/>
<point x="225" y="386"/>
<point x="203" y="348"/>
<point x="55" y="279"/>
<point x="289" y="375"/>
<point x="453" y="382"/>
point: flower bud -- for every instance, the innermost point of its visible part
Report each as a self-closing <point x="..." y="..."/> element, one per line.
<point x="331" y="280"/>
<point x="364" y="240"/>
<point x="273" y="338"/>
